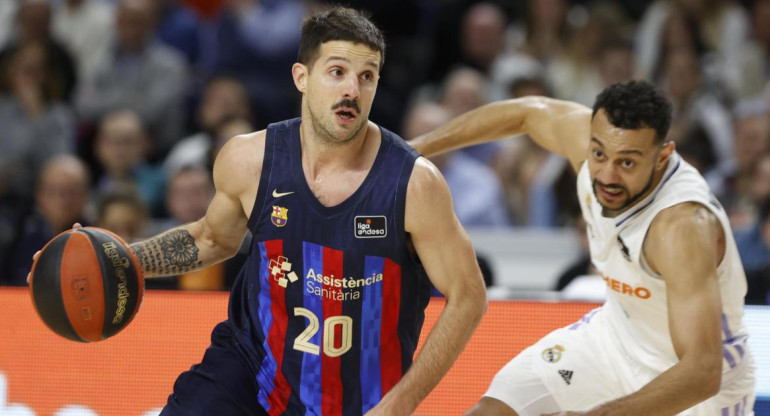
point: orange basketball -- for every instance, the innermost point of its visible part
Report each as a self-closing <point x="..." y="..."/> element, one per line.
<point x="86" y="284"/>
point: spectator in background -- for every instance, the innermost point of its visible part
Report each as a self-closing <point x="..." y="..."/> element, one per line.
<point x="33" y="25"/>
<point x="539" y="186"/>
<point x="476" y="192"/>
<point x="472" y="34"/>
<point x="482" y="36"/>
<point x="721" y="27"/>
<point x="694" y="103"/>
<point x="85" y="28"/>
<point x="732" y="184"/>
<point x="124" y="213"/>
<point x="190" y="190"/>
<point x="61" y="197"/>
<point x="34" y="123"/>
<point x="754" y="247"/>
<point x="695" y="147"/>
<point x="122" y="146"/>
<point x="574" y="70"/>
<point x="463" y="90"/>
<point x="178" y="27"/>
<point x="224" y="99"/>
<point x="7" y="13"/>
<point x="616" y="62"/>
<point x="256" y="42"/>
<point x="139" y="74"/>
<point x="750" y="71"/>
<point x="542" y="39"/>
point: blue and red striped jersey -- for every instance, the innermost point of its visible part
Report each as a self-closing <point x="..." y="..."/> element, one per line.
<point x="330" y="302"/>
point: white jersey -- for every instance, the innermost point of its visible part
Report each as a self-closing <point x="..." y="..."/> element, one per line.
<point x="636" y="309"/>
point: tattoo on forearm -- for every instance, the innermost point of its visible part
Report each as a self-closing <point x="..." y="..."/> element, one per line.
<point x="170" y="253"/>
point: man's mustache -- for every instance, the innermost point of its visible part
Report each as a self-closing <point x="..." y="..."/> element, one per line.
<point x="609" y="187"/>
<point x="347" y="103"/>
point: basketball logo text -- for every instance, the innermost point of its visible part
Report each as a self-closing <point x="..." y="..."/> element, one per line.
<point x="370" y="226"/>
<point x="120" y="264"/>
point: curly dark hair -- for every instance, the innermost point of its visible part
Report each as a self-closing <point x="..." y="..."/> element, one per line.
<point x="338" y="23"/>
<point x="636" y="105"/>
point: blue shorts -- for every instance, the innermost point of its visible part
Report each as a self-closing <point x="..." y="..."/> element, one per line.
<point x="222" y="384"/>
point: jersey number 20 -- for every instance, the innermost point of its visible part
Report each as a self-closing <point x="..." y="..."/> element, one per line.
<point x="302" y="342"/>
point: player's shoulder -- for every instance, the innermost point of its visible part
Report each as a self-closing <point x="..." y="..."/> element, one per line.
<point x="685" y="214"/>
<point x="239" y="162"/>
<point x="684" y="221"/>
<point x="688" y="230"/>
<point x="428" y="200"/>
<point x="425" y="178"/>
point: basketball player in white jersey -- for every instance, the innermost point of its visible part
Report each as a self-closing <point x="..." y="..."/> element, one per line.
<point x="669" y="339"/>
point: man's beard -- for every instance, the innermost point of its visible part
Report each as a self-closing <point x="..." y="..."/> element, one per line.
<point x="613" y="212"/>
<point x="324" y="133"/>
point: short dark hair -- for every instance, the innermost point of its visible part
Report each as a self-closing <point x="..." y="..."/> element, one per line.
<point x="338" y="23"/>
<point x="636" y="105"/>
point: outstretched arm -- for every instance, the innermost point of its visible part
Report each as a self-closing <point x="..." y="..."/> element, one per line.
<point x="218" y="235"/>
<point x="446" y="252"/>
<point x="562" y="127"/>
<point x="685" y="244"/>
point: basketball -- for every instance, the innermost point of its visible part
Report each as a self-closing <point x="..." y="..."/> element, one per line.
<point x="86" y="284"/>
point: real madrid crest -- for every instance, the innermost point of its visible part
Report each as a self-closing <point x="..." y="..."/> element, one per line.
<point x="553" y="354"/>
<point x="280" y="216"/>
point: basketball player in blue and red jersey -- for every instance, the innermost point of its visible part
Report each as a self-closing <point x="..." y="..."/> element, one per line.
<point x="669" y="340"/>
<point x="350" y="228"/>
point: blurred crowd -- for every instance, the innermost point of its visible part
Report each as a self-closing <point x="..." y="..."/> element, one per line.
<point x="112" y="111"/>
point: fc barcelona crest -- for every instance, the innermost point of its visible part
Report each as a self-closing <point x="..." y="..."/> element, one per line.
<point x="279" y="216"/>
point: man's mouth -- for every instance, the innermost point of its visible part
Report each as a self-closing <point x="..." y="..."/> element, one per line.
<point x="345" y="114"/>
<point x="610" y="193"/>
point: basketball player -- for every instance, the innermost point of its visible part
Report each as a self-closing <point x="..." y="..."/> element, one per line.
<point x="669" y="339"/>
<point x="346" y="220"/>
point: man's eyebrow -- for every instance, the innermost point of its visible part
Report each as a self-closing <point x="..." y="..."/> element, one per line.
<point x="625" y="152"/>
<point x="341" y="58"/>
<point x="337" y="58"/>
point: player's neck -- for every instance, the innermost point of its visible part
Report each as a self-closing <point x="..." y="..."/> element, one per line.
<point x="321" y="156"/>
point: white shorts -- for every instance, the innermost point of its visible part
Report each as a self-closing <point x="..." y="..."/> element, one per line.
<point x="578" y="369"/>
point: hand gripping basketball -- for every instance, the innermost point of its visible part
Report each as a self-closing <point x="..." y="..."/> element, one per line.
<point x="86" y="284"/>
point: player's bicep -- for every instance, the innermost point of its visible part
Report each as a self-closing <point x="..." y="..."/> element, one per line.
<point x="236" y="175"/>
<point x="683" y="247"/>
<point x="225" y="219"/>
<point x="441" y="243"/>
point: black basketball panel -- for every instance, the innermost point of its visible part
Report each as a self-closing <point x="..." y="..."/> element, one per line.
<point x="46" y="288"/>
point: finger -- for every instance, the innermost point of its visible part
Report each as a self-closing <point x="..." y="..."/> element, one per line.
<point x="36" y="255"/>
<point x="76" y="226"/>
<point x="29" y="276"/>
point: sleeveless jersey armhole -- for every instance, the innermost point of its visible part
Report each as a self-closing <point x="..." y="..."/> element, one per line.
<point x="403" y="185"/>
<point x="264" y="179"/>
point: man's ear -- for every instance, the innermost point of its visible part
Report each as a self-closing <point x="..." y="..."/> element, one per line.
<point x="300" y="73"/>
<point x="665" y="153"/>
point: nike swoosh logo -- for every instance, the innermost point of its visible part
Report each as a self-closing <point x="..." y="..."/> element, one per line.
<point x="277" y="194"/>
